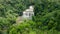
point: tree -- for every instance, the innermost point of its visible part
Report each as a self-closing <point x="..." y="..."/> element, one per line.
<point x="46" y="13"/>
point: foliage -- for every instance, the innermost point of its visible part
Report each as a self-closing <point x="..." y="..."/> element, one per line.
<point x="47" y="13"/>
<point x="46" y="17"/>
<point x="29" y="28"/>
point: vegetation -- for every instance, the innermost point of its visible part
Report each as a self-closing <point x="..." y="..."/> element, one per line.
<point x="46" y="19"/>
